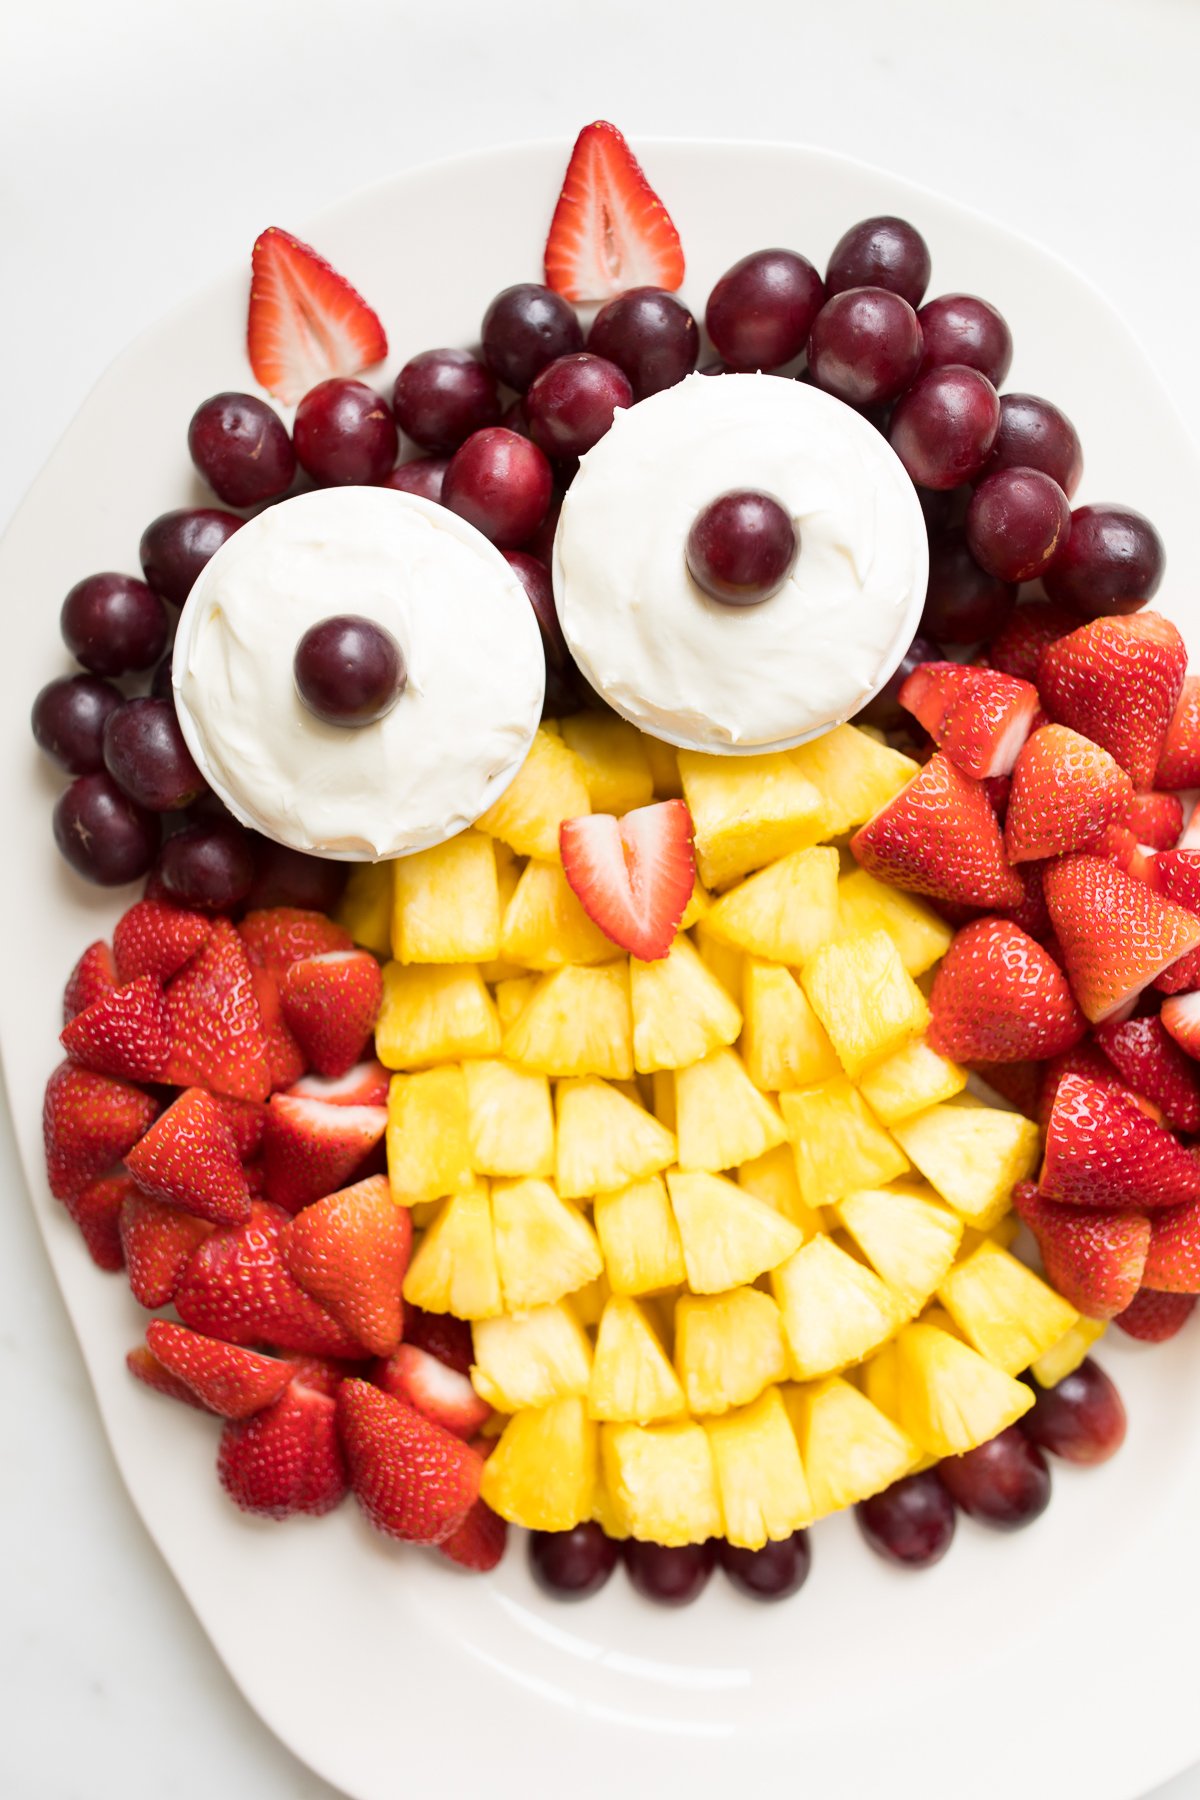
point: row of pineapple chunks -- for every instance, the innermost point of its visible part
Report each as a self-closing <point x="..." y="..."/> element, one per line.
<point x="752" y="1228"/>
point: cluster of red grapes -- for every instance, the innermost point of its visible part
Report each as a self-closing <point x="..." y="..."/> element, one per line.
<point x="1004" y="1484"/>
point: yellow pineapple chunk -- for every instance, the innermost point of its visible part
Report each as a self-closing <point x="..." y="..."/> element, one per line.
<point x="728" y="1347"/>
<point x="434" y="1015"/>
<point x="544" y="925"/>
<point x="664" y="767"/>
<point x="696" y="907"/>
<point x="910" y="1081"/>
<point x="849" y="1449"/>
<point x="589" y="1301"/>
<point x="365" y="908"/>
<point x="865" y="904"/>
<point x="760" y="1478"/>
<point x="632" y="1380"/>
<point x="729" y="1238"/>
<point x="854" y="775"/>
<point x="834" y="1310"/>
<point x="639" y="1238"/>
<point x="577" y="1022"/>
<point x="783" y="913"/>
<point x="549" y="787"/>
<point x="1006" y="1311"/>
<point x="721" y="1119"/>
<point x="614" y="760"/>
<point x="1064" y="1357"/>
<point x="542" y="1473"/>
<point x="510" y="1122"/>
<point x="605" y="1140"/>
<point x="662" y="1481"/>
<point x="1003" y="1232"/>
<point x="531" y="1358"/>
<point x="454" y="1268"/>
<point x="446" y="907"/>
<point x="607" y="1513"/>
<point x="508" y="874"/>
<point x="973" y="1155"/>
<point x="838" y="1143"/>
<point x="512" y="997"/>
<point x="721" y="960"/>
<point x="909" y="1238"/>
<point x="747" y="810"/>
<point x="428" y="1149"/>
<point x="680" y="1010"/>
<point x="772" y="1177"/>
<point x="866" y="1000"/>
<point x="545" y="1248"/>
<point x="784" y="1044"/>
<point x="949" y="1397"/>
<point x="663" y="1093"/>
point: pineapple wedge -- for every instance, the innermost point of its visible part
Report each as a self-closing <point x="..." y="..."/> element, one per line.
<point x="748" y="810"/>
<point x="721" y="1119"/>
<point x="760" y="1478"/>
<point x="365" y="908"/>
<point x="542" y="1473"/>
<point x="729" y="1238"/>
<point x="838" y="1143"/>
<point x="909" y="1238"/>
<point x="663" y="1095"/>
<point x="605" y="1141"/>
<point x="772" y="1177"/>
<point x="680" y="1010"/>
<point x="509" y="1119"/>
<point x="866" y="1000"/>
<point x="865" y="904"/>
<point x="545" y="1248"/>
<point x="834" y="1310"/>
<point x="607" y="1513"/>
<point x="662" y="1481"/>
<point x="721" y="960"/>
<point x="972" y="1154"/>
<point x="728" y="1348"/>
<point x="639" y="1238"/>
<point x="544" y="925"/>
<point x="434" y="1015"/>
<point x="613" y="757"/>
<point x="428" y="1148"/>
<point x="664" y="767"/>
<point x="1064" y="1357"/>
<point x="784" y="1044"/>
<point x="783" y="913"/>
<point x="577" y="1022"/>
<point x="911" y="1081"/>
<point x="454" y="1269"/>
<point x="949" y="1397"/>
<point x="854" y="775"/>
<point x="849" y="1449"/>
<point x="529" y="1359"/>
<point x="513" y="995"/>
<point x="446" y="906"/>
<point x="632" y="1380"/>
<point x="1002" y="1308"/>
<point x="550" y="786"/>
<point x="589" y="1301"/>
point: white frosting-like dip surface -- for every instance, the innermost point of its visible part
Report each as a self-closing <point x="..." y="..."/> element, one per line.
<point x="451" y="743"/>
<point x="687" y="668"/>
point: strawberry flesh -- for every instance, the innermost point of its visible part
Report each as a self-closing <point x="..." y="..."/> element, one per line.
<point x="306" y="323"/>
<point x="311" y="1148"/>
<point x="438" y="1392"/>
<point x="979" y="717"/>
<point x="610" y="230"/>
<point x="633" y="876"/>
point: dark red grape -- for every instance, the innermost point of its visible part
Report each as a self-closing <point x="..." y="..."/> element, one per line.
<point x="541" y="544"/>
<point x="943" y="429"/>
<point x="648" y="333"/>
<point x="945" y="511"/>
<point x="865" y="346"/>
<point x="160" y="685"/>
<point x="349" y="670"/>
<point x="68" y="721"/>
<point x="761" y="311"/>
<point x="442" y="396"/>
<point x="570" y="405"/>
<point x="671" y="1576"/>
<point x="961" y="328"/>
<point x="911" y="1522"/>
<point x="563" y="680"/>
<point x="882" y="252"/>
<point x="146" y="756"/>
<point x="501" y="484"/>
<point x="1004" y="1483"/>
<point x="422" y="476"/>
<point x="963" y="603"/>
<point x="242" y="449"/>
<point x="1112" y="562"/>
<point x="1035" y="434"/>
<point x="102" y="834"/>
<point x="287" y="877"/>
<point x="572" y="1565"/>
<point x="884" y="710"/>
<point x="779" y="1569"/>
<point x="209" y="865"/>
<point x="741" y="547"/>
<point x="1081" y="1420"/>
<point x="515" y="418"/>
<point x="176" y="546"/>
<point x="1016" y="522"/>
<point x="113" y="624"/>
<point x="344" y="433"/>
<point x="526" y="327"/>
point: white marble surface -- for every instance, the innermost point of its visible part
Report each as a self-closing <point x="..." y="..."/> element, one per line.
<point x="142" y="146"/>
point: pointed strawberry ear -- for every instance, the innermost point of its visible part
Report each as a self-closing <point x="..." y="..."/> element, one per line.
<point x="610" y="231"/>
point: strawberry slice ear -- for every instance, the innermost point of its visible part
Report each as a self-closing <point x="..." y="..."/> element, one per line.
<point x="633" y="876"/>
<point x="306" y="322"/>
<point x="610" y="230"/>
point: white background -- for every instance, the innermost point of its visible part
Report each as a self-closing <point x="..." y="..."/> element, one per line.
<point x="143" y="144"/>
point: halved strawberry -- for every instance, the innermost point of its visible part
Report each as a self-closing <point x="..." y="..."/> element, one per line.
<point x="154" y="938"/>
<point x="1146" y="1056"/>
<point x="979" y="717"/>
<point x="89" y="1121"/>
<point x="277" y="936"/>
<point x="217" y="1035"/>
<point x="480" y="1540"/>
<point x="999" y="997"/>
<point x="633" y="876"/>
<point x="330" y="1004"/>
<point x="145" y="1366"/>
<point x="350" y="1252"/>
<point x="189" y="1159"/>
<point x="1179" y="758"/>
<point x="1117" y="681"/>
<point x="413" y="1479"/>
<point x="1174" y="1260"/>
<point x="158" y="1241"/>
<point x="286" y="1459"/>
<point x="229" y="1379"/>
<point x="1180" y="1016"/>
<point x="311" y="1148"/>
<point x="610" y="230"/>
<point x="1156" y="820"/>
<point x="125" y="1033"/>
<point x="1116" y="934"/>
<point x="96" y="1209"/>
<point x="1154" y="1317"/>
<point x="285" y="1059"/>
<point x="1065" y="791"/>
<point x="1175" y="874"/>
<point x="438" y="1392"/>
<point x="305" y="322"/>
<point x="444" y="1336"/>
<point x="940" y="837"/>
<point x="1094" y="1259"/>
<point x="94" y="975"/>
<point x="1017" y="649"/>
<point x="366" y="1084"/>
<point x="1102" y="1151"/>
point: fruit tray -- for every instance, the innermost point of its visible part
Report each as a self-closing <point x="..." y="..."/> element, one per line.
<point x="870" y="1672"/>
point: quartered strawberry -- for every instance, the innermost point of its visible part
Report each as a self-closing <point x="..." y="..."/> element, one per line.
<point x="1102" y="1151"/>
<point x="96" y="1209"/>
<point x="330" y="1004"/>
<point x="1116" y="934"/>
<point x="1087" y="1059"/>
<point x="1065" y="791"/>
<point x="437" y="1392"/>
<point x="125" y="1033"/>
<point x="1117" y="681"/>
<point x="189" y="1159"/>
<point x="480" y="1540"/>
<point x="142" y="1363"/>
<point x="158" y="1241"/>
<point x="1174" y="1260"/>
<point x="155" y="938"/>
<point x="350" y="1251"/>
<point x="94" y="975"/>
<point x="311" y="1148"/>
<point x="610" y="230"/>
<point x="1146" y="1057"/>
<point x="306" y="322"/>
<point x="412" y="1478"/>
<point x="979" y="717"/>
<point x="277" y="936"/>
<point x="366" y="1084"/>
<point x="1175" y="874"/>
<point x="1155" y="820"/>
<point x="633" y="876"/>
<point x="1180" y="1016"/>
<point x="940" y="837"/>
<point x="286" y="1459"/>
<point x="999" y="997"/>
<point x="444" y="1336"/>
<point x="1179" y="758"/>
<point x="217" y="1035"/>
<point x="230" y="1380"/>
<point x="1154" y="1317"/>
<point x="1094" y="1259"/>
<point x="285" y="1059"/>
<point x="89" y="1121"/>
<point x="1017" y="649"/>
